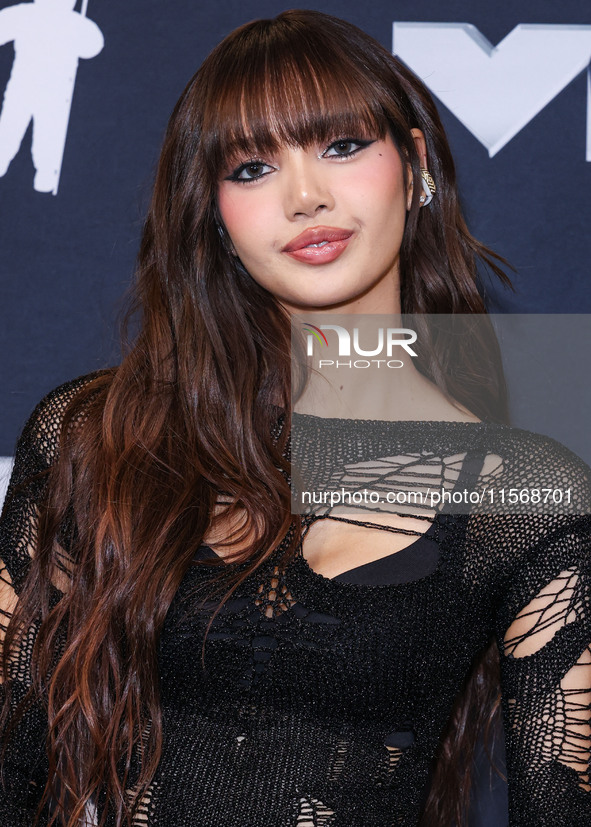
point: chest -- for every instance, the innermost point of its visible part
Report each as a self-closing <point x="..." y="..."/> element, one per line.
<point x="320" y="646"/>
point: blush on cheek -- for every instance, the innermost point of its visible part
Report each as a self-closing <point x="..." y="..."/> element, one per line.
<point x="229" y="208"/>
<point x="243" y="215"/>
<point x="382" y="177"/>
<point x="388" y="175"/>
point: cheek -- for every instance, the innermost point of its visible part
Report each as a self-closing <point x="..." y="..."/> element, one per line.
<point x="231" y="211"/>
<point x="388" y="186"/>
<point x="379" y="193"/>
<point x="244" y="215"/>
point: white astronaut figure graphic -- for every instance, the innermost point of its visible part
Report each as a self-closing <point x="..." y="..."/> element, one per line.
<point x="49" y="40"/>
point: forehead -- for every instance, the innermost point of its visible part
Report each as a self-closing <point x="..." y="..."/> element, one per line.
<point x="289" y="130"/>
<point x="291" y="104"/>
<point x="273" y="141"/>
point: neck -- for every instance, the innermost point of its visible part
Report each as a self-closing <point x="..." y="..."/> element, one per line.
<point x="362" y="367"/>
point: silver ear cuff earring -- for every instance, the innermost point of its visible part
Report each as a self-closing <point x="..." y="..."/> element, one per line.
<point x="429" y="188"/>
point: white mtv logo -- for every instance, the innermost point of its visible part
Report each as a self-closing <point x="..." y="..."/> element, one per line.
<point x="49" y="39"/>
<point x="495" y="90"/>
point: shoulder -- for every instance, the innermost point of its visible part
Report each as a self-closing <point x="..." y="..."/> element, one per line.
<point x="529" y="461"/>
<point x="65" y="404"/>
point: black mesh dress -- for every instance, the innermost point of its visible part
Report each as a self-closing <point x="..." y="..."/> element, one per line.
<point x="322" y="700"/>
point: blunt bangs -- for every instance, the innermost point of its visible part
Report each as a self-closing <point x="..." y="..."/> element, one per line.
<point x="275" y="85"/>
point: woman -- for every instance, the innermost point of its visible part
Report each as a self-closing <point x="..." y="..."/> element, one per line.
<point x="290" y="180"/>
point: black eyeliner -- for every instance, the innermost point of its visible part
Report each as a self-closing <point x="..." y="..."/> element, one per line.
<point x="234" y="175"/>
<point x="361" y="142"/>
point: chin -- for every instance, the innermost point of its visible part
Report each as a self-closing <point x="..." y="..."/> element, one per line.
<point x="310" y="304"/>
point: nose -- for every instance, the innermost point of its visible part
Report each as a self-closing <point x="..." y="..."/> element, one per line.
<point x="307" y="190"/>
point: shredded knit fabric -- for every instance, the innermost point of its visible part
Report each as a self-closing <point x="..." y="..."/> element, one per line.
<point x="321" y="701"/>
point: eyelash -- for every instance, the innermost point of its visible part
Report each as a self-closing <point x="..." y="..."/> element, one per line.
<point x="360" y="144"/>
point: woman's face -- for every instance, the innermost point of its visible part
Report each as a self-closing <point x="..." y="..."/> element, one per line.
<point x="321" y="227"/>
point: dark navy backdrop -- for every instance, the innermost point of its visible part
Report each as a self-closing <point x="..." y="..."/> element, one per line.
<point x="66" y="259"/>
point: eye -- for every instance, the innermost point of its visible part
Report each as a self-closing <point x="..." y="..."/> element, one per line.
<point x="250" y="171"/>
<point x="345" y="147"/>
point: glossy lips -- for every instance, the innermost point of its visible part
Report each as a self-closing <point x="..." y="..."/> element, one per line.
<point x="332" y="240"/>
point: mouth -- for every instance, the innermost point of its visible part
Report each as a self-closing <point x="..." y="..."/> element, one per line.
<point x="317" y="237"/>
<point x="318" y="245"/>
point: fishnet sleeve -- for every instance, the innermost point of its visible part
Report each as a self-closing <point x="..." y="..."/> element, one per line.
<point x="24" y="771"/>
<point x="544" y="636"/>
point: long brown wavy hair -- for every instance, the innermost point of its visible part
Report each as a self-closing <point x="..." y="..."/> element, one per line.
<point x="148" y="449"/>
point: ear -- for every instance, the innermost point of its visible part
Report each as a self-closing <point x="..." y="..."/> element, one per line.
<point x="421" y="148"/>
